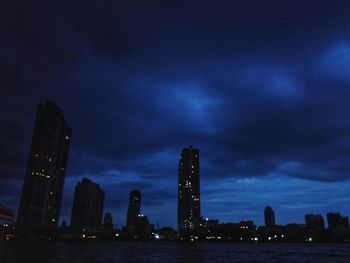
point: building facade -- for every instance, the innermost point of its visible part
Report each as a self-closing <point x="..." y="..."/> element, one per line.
<point x="46" y="168"/>
<point x="189" y="216"/>
<point x="337" y="222"/>
<point x="108" y="222"/>
<point x="87" y="208"/>
<point x="133" y="208"/>
<point x="269" y="216"/>
<point x="314" y="221"/>
<point x="142" y="229"/>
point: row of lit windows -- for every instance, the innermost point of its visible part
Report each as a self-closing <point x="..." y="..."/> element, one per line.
<point x="196" y="199"/>
<point x="42" y="173"/>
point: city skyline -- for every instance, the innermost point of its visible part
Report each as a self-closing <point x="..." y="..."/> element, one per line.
<point x="51" y="139"/>
<point x="186" y="158"/>
<point x="260" y="88"/>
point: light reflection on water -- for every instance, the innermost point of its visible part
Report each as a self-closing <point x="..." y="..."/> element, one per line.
<point x="169" y="252"/>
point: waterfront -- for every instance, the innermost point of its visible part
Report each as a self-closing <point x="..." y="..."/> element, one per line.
<point x="169" y="252"/>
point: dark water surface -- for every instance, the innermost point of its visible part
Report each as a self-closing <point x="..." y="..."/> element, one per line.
<point x="169" y="252"/>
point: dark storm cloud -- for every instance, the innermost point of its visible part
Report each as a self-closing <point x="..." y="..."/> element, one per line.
<point x="262" y="88"/>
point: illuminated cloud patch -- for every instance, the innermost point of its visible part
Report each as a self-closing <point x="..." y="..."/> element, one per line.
<point x="336" y="62"/>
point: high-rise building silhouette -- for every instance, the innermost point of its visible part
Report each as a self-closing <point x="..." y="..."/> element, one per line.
<point x="87" y="206"/>
<point x="133" y="208"/>
<point x="142" y="228"/>
<point x="108" y="222"/>
<point x="46" y="167"/>
<point x="269" y="215"/>
<point x="189" y="216"/>
<point x="337" y="222"/>
<point x="314" y="221"/>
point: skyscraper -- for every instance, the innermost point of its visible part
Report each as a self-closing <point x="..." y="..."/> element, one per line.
<point x="337" y="222"/>
<point x="314" y="221"/>
<point x="133" y="208"/>
<point x="46" y="167"/>
<point x="269" y="215"/>
<point x="108" y="222"/>
<point x="188" y="193"/>
<point x="87" y="206"/>
<point x="142" y="228"/>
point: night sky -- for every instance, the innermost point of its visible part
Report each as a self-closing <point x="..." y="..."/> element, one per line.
<point x="262" y="88"/>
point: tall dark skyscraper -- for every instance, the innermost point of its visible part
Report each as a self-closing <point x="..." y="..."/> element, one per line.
<point x="87" y="206"/>
<point x="108" y="222"/>
<point x="269" y="215"/>
<point x="46" y="167"/>
<point x="337" y="222"/>
<point x="188" y="193"/>
<point x="133" y="208"/>
<point x="314" y="221"/>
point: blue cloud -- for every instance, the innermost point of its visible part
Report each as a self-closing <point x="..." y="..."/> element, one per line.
<point x="336" y="62"/>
